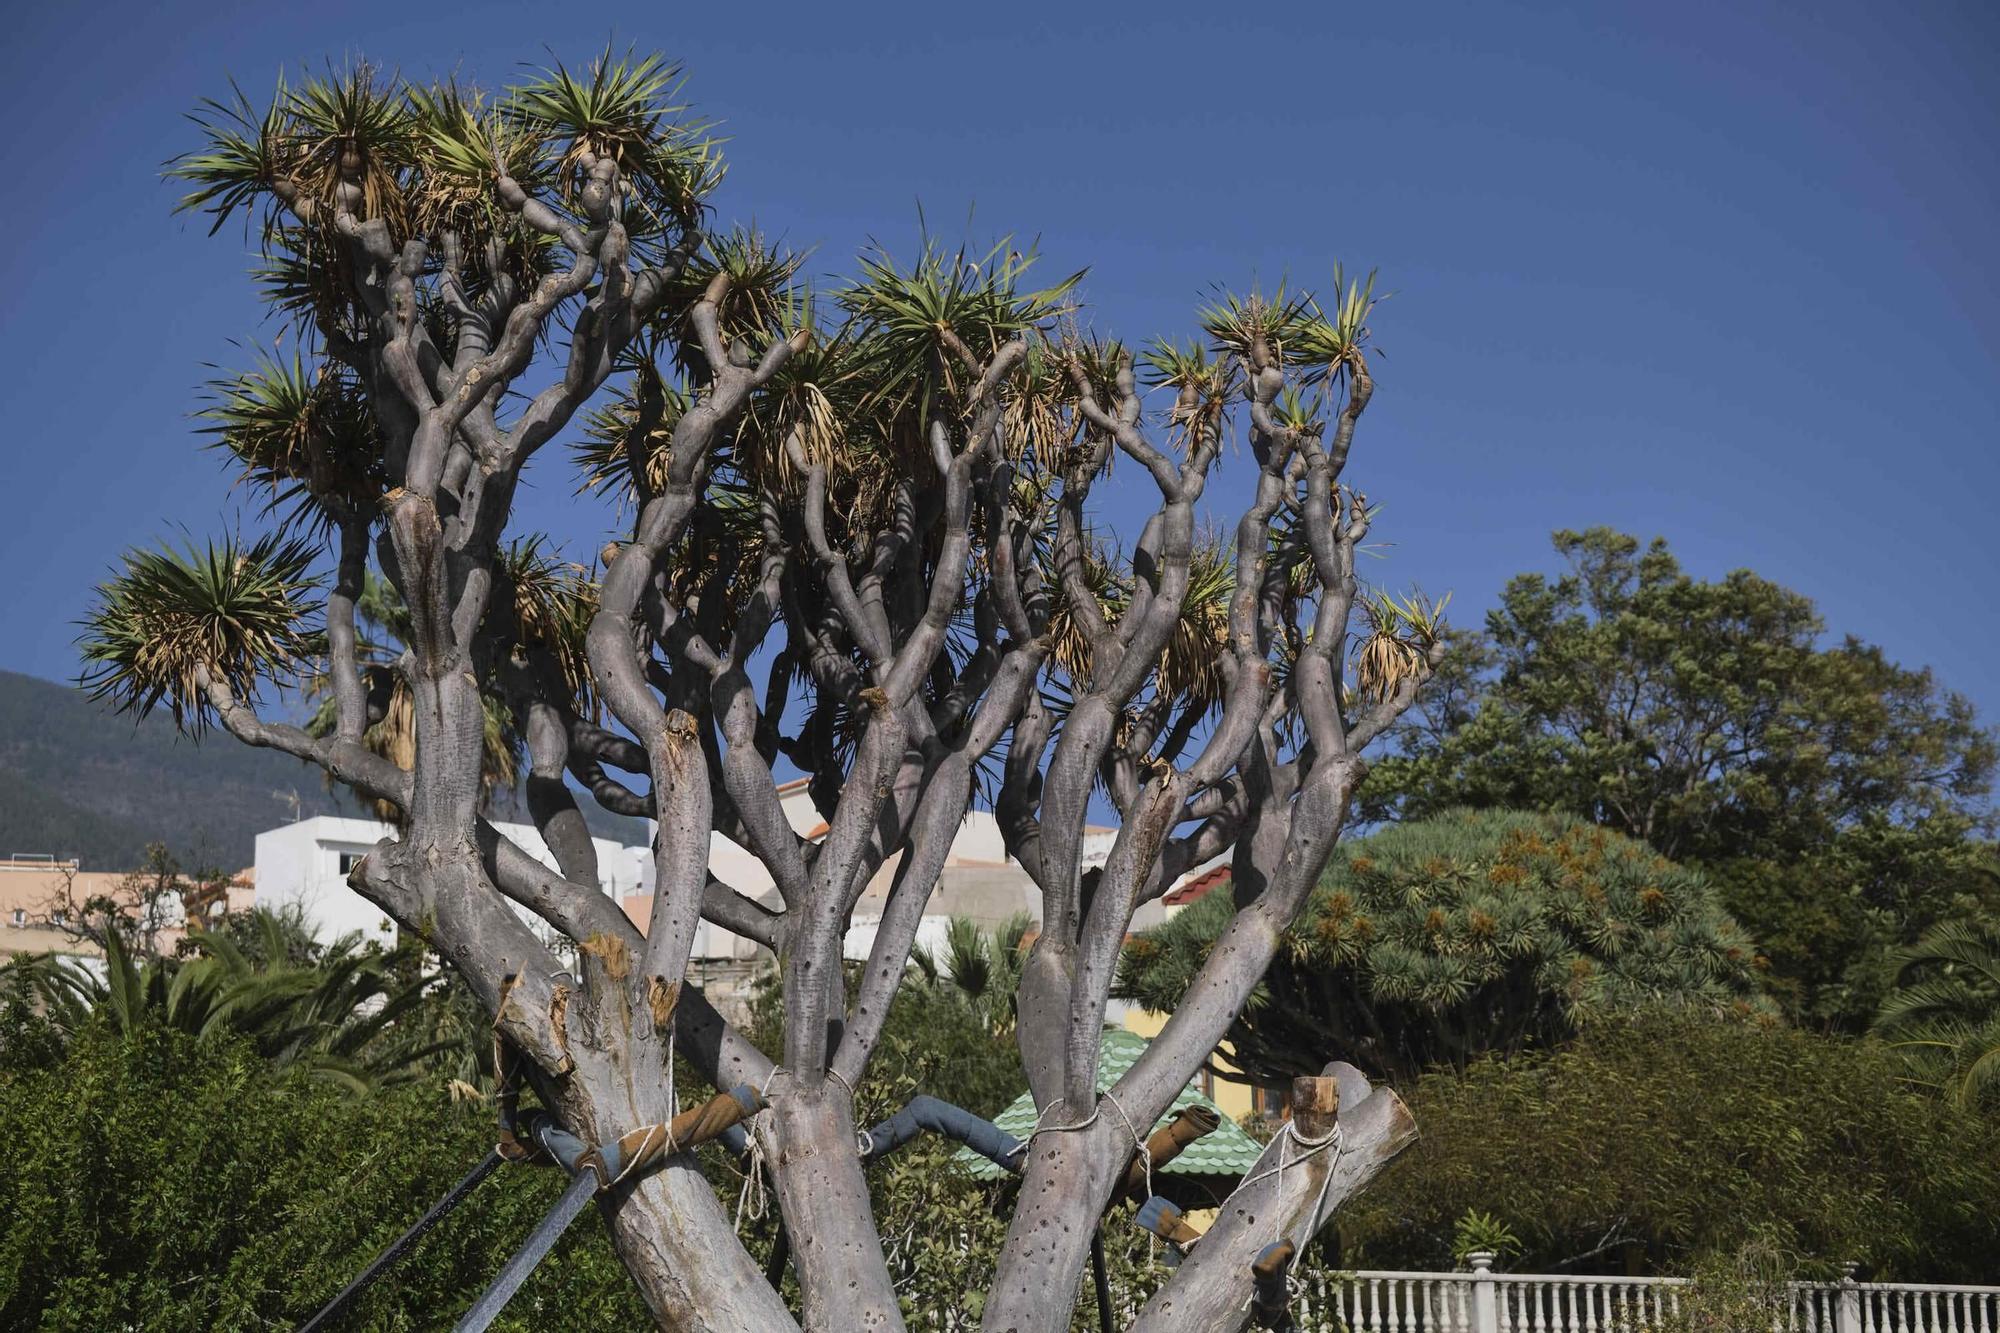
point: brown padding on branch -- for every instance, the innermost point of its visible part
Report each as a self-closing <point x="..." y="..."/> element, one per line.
<point x="1270" y="1297"/>
<point x="1168" y="1142"/>
<point x="640" y="1148"/>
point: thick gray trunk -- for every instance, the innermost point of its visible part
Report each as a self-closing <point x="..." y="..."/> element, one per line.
<point x="666" y="1230"/>
<point x="824" y="1199"/>
<point x="1064" y="1191"/>
<point x="670" y="1231"/>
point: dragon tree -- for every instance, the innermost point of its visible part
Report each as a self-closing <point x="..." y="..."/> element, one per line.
<point x="857" y="535"/>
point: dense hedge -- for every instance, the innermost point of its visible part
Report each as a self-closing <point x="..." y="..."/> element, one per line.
<point x="1663" y="1140"/>
<point x="162" y="1182"/>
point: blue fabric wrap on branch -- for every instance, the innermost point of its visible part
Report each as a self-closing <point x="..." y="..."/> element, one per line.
<point x="1270" y="1296"/>
<point x="925" y="1112"/>
<point x="1164" y="1219"/>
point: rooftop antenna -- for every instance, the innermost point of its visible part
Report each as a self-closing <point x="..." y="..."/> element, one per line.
<point x="291" y="796"/>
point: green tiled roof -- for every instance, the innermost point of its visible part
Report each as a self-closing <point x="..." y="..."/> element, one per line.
<point x="1226" y="1151"/>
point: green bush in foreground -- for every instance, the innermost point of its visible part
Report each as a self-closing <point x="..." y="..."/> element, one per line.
<point x="160" y="1181"/>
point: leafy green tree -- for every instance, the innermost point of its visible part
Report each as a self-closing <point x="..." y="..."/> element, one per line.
<point x="1444" y="939"/>
<point x="1830" y="791"/>
<point x="1663" y="1139"/>
<point x="1945" y="1010"/>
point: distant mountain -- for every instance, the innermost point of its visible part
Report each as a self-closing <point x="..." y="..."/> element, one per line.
<point x="78" y="780"/>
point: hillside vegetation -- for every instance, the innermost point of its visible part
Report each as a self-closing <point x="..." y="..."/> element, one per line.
<point x="77" y="780"/>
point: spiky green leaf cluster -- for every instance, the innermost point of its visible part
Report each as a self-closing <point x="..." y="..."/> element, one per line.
<point x="234" y="612"/>
<point x="1289" y="328"/>
<point x="304" y="438"/>
<point x="424" y="158"/>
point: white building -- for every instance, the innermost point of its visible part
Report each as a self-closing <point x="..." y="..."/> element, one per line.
<point x="304" y="866"/>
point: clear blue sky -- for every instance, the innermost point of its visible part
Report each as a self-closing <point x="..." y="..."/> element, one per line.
<point x="1719" y="272"/>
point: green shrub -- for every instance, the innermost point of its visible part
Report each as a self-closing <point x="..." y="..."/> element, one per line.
<point x="160" y="1181"/>
<point x="1665" y="1140"/>
<point x="1441" y="940"/>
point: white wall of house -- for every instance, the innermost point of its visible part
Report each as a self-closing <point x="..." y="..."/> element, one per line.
<point x="304" y="866"/>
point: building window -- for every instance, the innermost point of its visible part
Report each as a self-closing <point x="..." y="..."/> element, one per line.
<point x="349" y="860"/>
<point x="20" y="917"/>
<point x="59" y="918"/>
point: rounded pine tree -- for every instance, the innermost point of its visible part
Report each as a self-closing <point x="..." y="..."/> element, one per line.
<point x="1446" y="938"/>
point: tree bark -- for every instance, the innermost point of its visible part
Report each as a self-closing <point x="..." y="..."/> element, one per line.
<point x="1212" y="1287"/>
<point x="824" y="1199"/>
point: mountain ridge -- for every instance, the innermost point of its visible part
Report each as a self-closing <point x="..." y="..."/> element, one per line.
<point x="78" y="780"/>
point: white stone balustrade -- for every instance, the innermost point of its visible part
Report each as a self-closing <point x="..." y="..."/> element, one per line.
<point x="1484" y="1301"/>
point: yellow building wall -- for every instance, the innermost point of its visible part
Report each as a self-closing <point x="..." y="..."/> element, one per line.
<point x="1231" y="1098"/>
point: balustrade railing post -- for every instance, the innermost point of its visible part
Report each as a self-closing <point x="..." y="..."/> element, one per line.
<point x="1485" y="1305"/>
<point x="1848" y="1319"/>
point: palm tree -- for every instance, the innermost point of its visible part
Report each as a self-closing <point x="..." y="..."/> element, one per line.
<point x="980" y="967"/>
<point x="1945" y="1010"/>
<point x="344" y="1014"/>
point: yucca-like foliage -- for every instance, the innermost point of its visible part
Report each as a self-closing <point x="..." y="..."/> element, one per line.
<point x="1401" y="633"/>
<point x="303" y="437"/>
<point x="1944" y="1013"/>
<point x="1444" y="939"/>
<point x="226" y="611"/>
<point x="423" y="160"/>
<point x="625" y="110"/>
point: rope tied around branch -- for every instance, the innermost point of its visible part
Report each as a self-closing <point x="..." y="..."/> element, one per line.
<point x="1309" y="1147"/>
<point x="752" y="1195"/>
<point x="1141" y="1149"/>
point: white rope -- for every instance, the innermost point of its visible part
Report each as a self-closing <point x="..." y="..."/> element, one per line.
<point x="1084" y="1123"/>
<point x="751" y="1196"/>
<point x="752" y="1193"/>
<point x="1287" y="1136"/>
<point x="1145" y="1155"/>
<point x="673" y="1094"/>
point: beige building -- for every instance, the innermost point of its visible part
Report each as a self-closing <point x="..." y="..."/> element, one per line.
<point x="43" y="899"/>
